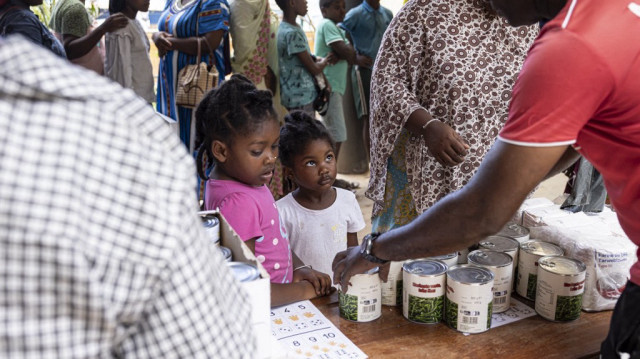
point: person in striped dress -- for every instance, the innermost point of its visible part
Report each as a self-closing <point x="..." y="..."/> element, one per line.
<point x="180" y="26"/>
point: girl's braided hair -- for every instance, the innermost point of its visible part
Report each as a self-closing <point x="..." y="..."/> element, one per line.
<point x="298" y="131"/>
<point x="235" y="108"/>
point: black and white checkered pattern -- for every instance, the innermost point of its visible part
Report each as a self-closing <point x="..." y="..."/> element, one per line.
<point x="102" y="253"/>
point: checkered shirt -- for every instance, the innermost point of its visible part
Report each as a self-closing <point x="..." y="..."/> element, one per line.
<point x="102" y="253"/>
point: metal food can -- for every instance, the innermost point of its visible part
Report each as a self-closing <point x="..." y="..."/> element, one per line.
<point x="530" y="252"/>
<point x="560" y="288"/>
<point x="362" y="302"/>
<point x="450" y="259"/>
<point x="226" y="253"/>
<point x="503" y="244"/>
<point x="424" y="282"/>
<point x="469" y="300"/>
<point x="392" y="289"/>
<point x="462" y="255"/>
<point x="515" y="231"/>
<point x="212" y="227"/>
<point x="500" y="264"/>
<point x="244" y="272"/>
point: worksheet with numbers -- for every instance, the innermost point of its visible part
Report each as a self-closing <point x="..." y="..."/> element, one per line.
<point x="307" y="333"/>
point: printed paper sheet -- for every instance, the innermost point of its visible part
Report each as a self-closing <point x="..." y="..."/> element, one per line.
<point x="307" y="333"/>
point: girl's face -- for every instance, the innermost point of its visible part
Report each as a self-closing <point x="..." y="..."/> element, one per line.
<point x="138" y="5"/>
<point x="299" y="6"/>
<point x="251" y="159"/>
<point x="315" y="168"/>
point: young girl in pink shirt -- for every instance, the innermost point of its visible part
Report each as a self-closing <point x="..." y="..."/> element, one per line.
<point x="240" y="134"/>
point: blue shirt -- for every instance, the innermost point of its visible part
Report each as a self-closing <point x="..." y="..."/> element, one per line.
<point x="366" y="27"/>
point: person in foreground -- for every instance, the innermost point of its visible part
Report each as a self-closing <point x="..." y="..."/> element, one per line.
<point x="240" y="133"/>
<point x="96" y="262"/>
<point x="321" y="220"/>
<point x="587" y="101"/>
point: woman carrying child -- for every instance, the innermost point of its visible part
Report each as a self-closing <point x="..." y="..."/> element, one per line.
<point x="240" y="132"/>
<point x="321" y="220"/>
<point x="127" y="59"/>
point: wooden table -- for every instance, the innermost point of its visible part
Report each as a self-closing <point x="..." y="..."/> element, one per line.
<point x="392" y="336"/>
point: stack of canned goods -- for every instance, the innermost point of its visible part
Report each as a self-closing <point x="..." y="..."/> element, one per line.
<point x="507" y="245"/>
<point x="500" y="264"/>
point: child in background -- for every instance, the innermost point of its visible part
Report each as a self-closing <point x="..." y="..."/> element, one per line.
<point x="240" y="133"/>
<point x="321" y="220"/>
<point x="297" y="66"/>
<point x="127" y="58"/>
<point x="330" y="38"/>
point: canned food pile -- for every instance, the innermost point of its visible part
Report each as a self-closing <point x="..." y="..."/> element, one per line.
<point x="465" y="296"/>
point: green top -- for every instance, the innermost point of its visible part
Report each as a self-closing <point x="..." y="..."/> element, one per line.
<point x="297" y="87"/>
<point x="327" y="34"/>
<point x="70" y="17"/>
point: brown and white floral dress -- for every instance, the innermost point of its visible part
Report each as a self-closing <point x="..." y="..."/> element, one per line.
<point x="458" y="60"/>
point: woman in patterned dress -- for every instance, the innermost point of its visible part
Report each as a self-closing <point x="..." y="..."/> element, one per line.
<point x="177" y="44"/>
<point x="439" y="96"/>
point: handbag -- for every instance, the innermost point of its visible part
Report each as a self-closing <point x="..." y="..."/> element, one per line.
<point x="321" y="102"/>
<point x="194" y="80"/>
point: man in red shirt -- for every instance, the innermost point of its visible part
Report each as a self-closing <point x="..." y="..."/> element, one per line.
<point x="578" y="91"/>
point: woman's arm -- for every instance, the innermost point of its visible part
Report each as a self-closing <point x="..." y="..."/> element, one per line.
<point x="76" y="47"/>
<point x="189" y="45"/>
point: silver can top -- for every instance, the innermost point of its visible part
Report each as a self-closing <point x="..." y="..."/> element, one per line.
<point x="209" y="221"/>
<point x="425" y="267"/>
<point x="445" y="257"/>
<point x="469" y="274"/>
<point x="540" y="248"/>
<point x="499" y="243"/>
<point x="489" y="258"/>
<point x="226" y="253"/>
<point x="244" y="272"/>
<point x="513" y="230"/>
<point x="562" y="265"/>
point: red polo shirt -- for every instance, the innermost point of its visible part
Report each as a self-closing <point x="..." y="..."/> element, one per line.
<point x="580" y="85"/>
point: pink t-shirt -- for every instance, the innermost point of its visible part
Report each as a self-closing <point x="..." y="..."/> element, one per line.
<point x="252" y="213"/>
<point x="580" y="86"/>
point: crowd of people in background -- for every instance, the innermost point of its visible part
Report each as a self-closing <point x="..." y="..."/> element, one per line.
<point x="433" y="86"/>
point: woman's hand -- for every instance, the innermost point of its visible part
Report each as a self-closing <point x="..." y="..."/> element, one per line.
<point x="444" y="143"/>
<point x="162" y="41"/>
<point x="115" y="22"/>
<point x="320" y="281"/>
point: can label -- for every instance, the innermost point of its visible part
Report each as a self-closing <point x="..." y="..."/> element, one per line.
<point x="362" y="301"/>
<point x="503" y="282"/>
<point x="559" y="297"/>
<point x="527" y="276"/>
<point x="392" y="289"/>
<point x="468" y="308"/>
<point x="423" y="298"/>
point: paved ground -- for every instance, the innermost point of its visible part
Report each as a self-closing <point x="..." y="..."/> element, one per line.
<point x="551" y="188"/>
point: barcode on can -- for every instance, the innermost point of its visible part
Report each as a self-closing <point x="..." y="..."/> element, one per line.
<point x="469" y="320"/>
<point x="499" y="300"/>
<point x="369" y="309"/>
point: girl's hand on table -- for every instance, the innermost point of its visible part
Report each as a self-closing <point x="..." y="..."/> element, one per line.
<point x="444" y="143"/>
<point x="321" y="282"/>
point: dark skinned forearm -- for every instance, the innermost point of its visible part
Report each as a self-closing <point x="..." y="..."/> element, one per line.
<point x="481" y="208"/>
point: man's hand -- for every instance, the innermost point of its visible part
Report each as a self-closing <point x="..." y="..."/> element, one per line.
<point x="350" y="262"/>
<point x="321" y="282"/>
<point x="445" y="144"/>
<point x="364" y="61"/>
<point x="115" y="22"/>
<point x="162" y="41"/>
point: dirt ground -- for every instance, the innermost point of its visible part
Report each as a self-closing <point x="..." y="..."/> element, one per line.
<point x="551" y="189"/>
